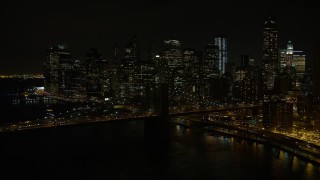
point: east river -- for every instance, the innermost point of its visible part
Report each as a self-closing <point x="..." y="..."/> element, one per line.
<point x="118" y="150"/>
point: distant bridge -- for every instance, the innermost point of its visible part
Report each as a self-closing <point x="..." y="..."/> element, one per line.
<point x="101" y="119"/>
<point x="204" y="111"/>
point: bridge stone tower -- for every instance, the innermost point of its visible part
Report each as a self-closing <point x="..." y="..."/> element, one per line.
<point x="156" y="130"/>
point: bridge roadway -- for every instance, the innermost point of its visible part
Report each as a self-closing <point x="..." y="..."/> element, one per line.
<point x="66" y="121"/>
<point x="205" y="111"/>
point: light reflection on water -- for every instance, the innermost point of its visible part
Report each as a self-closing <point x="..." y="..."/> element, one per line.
<point x="118" y="151"/>
<point x="237" y="156"/>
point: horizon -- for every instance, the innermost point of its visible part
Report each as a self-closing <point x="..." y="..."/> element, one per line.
<point x="30" y="28"/>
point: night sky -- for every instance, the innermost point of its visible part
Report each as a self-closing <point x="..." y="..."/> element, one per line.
<point x="30" y="27"/>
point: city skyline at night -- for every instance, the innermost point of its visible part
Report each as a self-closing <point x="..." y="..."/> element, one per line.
<point x="32" y="29"/>
<point x="160" y="90"/>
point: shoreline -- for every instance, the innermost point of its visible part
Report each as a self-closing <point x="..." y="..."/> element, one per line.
<point x="225" y="129"/>
<point x="306" y="156"/>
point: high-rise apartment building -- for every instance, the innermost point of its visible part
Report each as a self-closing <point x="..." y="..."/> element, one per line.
<point x="270" y="53"/>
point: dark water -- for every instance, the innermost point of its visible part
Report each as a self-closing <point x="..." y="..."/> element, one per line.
<point x="18" y="85"/>
<point x="117" y="150"/>
<point x="12" y="113"/>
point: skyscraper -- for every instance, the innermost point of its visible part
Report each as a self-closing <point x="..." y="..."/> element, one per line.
<point x="211" y="64"/>
<point x="130" y="52"/>
<point x="270" y="53"/>
<point x="59" y="60"/>
<point x="96" y="72"/>
<point x="172" y="53"/>
<point x="316" y="71"/>
<point x="299" y="62"/>
<point x="289" y="54"/>
<point x="221" y="42"/>
<point x="286" y="56"/>
<point x="151" y="53"/>
<point x="116" y="54"/>
<point x="188" y="57"/>
<point x="247" y="61"/>
<point x="282" y="58"/>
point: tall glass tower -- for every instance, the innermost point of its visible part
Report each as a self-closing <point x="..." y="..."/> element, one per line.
<point x="221" y="42"/>
<point x="270" y="53"/>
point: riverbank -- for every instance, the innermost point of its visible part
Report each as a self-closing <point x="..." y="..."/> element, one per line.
<point x="279" y="142"/>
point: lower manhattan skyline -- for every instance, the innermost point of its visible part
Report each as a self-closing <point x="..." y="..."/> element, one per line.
<point x="160" y="90"/>
<point x="30" y="28"/>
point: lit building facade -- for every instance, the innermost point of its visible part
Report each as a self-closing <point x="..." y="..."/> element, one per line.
<point x="172" y="53"/>
<point x="316" y="70"/>
<point x="278" y="114"/>
<point x="58" y="63"/>
<point x="189" y="57"/>
<point x="270" y="53"/>
<point x="144" y="80"/>
<point x="247" y="61"/>
<point x="211" y="63"/>
<point x="247" y="81"/>
<point x="221" y="42"/>
<point x="289" y="54"/>
<point x="292" y="65"/>
<point x="299" y="62"/>
<point x="282" y="58"/>
<point x="97" y="82"/>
